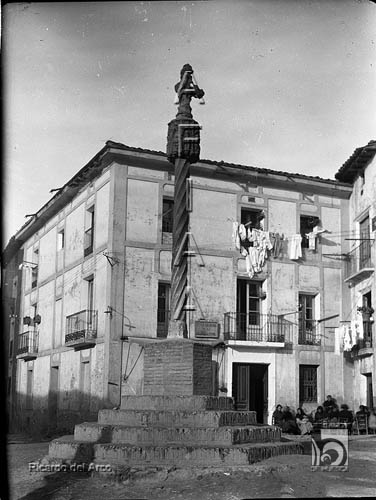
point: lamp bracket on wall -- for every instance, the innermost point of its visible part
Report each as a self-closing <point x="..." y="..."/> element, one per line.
<point x="111" y="259"/>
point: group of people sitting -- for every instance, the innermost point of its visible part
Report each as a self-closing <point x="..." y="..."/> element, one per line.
<point x="303" y="423"/>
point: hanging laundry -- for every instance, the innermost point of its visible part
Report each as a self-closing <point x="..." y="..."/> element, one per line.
<point x="357" y="328"/>
<point x="276" y="240"/>
<point x="312" y="238"/>
<point x="242" y="232"/>
<point x="345" y="333"/>
<point x="295" y="247"/>
<point x="235" y="235"/>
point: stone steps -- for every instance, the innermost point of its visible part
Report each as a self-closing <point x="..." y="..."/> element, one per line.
<point x="180" y="431"/>
<point x="123" y="454"/>
<point x="184" y="403"/>
<point x="221" y="436"/>
<point x="176" y="418"/>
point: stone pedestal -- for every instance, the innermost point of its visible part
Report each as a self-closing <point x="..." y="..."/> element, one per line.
<point x="179" y="367"/>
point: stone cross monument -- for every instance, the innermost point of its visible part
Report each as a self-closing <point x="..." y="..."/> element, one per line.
<point x="183" y="148"/>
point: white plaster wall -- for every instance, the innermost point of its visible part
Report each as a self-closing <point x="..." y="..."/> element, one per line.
<point x="142" y="210"/>
<point x="97" y="377"/>
<point x="282" y="217"/>
<point x="309" y="278"/>
<point x="140" y="292"/>
<point x="41" y="382"/>
<point x="74" y="235"/>
<point x="334" y="378"/>
<point x="331" y="220"/>
<point x="214" y="286"/>
<point x="284" y="298"/>
<point x="46" y="311"/>
<point x="47" y="255"/>
<point x="69" y="378"/>
<point x="332" y="295"/>
<point x="285" y="381"/>
<point x="72" y="292"/>
<point x="212" y="218"/>
<point x="102" y="208"/>
<point x="100" y="294"/>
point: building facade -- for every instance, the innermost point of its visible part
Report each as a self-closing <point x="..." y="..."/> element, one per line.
<point x="96" y="271"/>
<point x="360" y="354"/>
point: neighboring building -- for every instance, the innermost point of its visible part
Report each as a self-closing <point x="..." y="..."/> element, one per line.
<point x="360" y="171"/>
<point x="11" y="299"/>
<point x="96" y="281"/>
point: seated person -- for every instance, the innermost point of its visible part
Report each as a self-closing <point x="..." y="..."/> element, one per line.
<point x="278" y="416"/>
<point x="319" y="414"/>
<point x="303" y="422"/>
<point x="345" y="415"/>
<point x="330" y="404"/>
<point x="289" y="424"/>
<point x="372" y="421"/>
<point x="332" y="414"/>
<point x="363" y="411"/>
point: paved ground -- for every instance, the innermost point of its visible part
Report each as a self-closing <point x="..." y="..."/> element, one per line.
<point x="281" y="477"/>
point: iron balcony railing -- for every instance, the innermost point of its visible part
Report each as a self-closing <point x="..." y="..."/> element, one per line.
<point x="81" y="326"/>
<point x="358" y="259"/>
<point x="308" y="332"/>
<point x="28" y="342"/>
<point x="257" y="327"/>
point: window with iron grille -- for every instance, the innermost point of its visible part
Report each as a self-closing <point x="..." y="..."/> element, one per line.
<point x="167" y="215"/>
<point x="308" y="384"/>
<point x="163" y="311"/>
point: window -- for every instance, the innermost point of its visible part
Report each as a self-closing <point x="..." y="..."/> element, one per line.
<point x="34" y="269"/>
<point x="163" y="311"/>
<point x="307" y="223"/>
<point x="307" y="384"/>
<point x="307" y="323"/>
<point x="248" y="309"/>
<point x="90" y="302"/>
<point x="365" y="243"/>
<point x="85" y="386"/>
<point x="9" y="385"/>
<point x="252" y="218"/>
<point x="60" y="239"/>
<point x="29" y="390"/>
<point x="11" y="348"/>
<point x="89" y="231"/>
<point x="167" y="215"/>
<point x="367" y="319"/>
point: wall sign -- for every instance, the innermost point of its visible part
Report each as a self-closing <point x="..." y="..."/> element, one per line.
<point x="206" y="329"/>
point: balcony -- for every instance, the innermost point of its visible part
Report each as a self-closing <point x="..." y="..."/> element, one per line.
<point x="81" y="329"/>
<point x="358" y="263"/>
<point x="308" y="332"/>
<point x="254" y="327"/>
<point x="28" y="345"/>
<point x="362" y="349"/>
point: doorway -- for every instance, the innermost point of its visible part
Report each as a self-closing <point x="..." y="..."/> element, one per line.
<point x="369" y="390"/>
<point x="53" y="398"/>
<point x="250" y="389"/>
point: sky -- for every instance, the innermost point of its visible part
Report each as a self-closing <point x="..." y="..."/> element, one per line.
<point x="289" y="85"/>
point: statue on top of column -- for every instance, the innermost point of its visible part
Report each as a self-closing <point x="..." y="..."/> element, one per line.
<point x="185" y="90"/>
